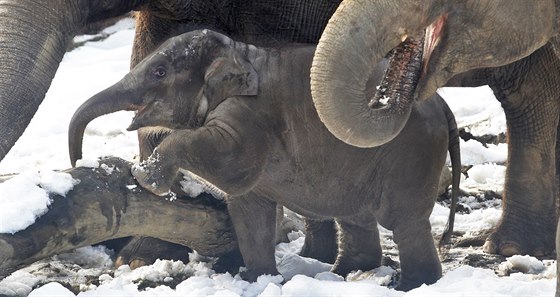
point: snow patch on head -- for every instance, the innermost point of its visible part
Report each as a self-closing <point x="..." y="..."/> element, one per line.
<point x="26" y="197"/>
<point x="56" y="182"/>
<point x="189" y="51"/>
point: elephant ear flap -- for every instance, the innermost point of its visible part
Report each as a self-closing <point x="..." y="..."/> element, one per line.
<point x="228" y="77"/>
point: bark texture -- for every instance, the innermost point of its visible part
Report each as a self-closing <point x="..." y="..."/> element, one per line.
<point x="102" y="207"/>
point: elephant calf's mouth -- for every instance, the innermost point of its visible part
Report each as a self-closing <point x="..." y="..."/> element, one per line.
<point x="401" y="76"/>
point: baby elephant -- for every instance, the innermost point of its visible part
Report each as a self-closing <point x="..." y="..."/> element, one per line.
<point x="242" y="118"/>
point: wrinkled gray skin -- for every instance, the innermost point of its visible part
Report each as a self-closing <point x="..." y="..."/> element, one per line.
<point x="507" y="44"/>
<point x="246" y="123"/>
<point x="480" y="33"/>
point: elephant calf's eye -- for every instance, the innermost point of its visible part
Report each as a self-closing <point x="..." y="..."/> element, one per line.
<point x="160" y="72"/>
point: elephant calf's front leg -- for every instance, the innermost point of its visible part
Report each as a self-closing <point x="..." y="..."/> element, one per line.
<point x="226" y="154"/>
<point x="155" y="174"/>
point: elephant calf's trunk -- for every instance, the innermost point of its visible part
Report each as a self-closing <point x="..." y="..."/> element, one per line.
<point x="108" y="101"/>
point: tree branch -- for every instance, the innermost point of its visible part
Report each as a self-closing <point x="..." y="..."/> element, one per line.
<point x="102" y="207"/>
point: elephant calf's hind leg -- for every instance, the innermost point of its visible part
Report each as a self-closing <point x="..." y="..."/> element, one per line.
<point x="359" y="247"/>
<point x="418" y="255"/>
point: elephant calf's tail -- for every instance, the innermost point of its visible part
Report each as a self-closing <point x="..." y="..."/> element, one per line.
<point x="455" y="155"/>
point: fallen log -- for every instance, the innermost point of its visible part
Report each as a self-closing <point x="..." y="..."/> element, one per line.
<point x="101" y="207"/>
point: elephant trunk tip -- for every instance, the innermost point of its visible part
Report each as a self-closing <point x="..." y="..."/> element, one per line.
<point x="75" y="139"/>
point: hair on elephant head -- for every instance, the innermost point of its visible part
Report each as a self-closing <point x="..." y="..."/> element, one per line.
<point x="175" y="87"/>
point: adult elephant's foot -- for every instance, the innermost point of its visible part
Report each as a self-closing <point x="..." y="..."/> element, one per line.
<point x="533" y="236"/>
<point x="141" y="251"/>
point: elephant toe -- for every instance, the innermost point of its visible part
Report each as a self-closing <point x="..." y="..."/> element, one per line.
<point x="149" y="181"/>
<point x="508" y="241"/>
<point x="506" y="249"/>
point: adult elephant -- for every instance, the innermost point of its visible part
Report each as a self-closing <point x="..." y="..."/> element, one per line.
<point x="467" y="42"/>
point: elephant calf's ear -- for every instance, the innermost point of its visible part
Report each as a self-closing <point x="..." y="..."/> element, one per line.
<point x="228" y="77"/>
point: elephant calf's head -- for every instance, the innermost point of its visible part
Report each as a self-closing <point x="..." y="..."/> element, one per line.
<point x="175" y="87"/>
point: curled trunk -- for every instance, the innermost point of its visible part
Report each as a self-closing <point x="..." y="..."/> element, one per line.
<point x="341" y="68"/>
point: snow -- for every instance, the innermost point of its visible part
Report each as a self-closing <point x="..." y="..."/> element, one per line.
<point x="50" y="290"/>
<point x="88" y="271"/>
<point x="523" y="263"/>
<point x="194" y="185"/>
<point x="26" y="197"/>
<point x="474" y="153"/>
<point x="482" y="115"/>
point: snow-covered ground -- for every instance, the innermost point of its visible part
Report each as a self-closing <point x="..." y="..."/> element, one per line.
<point x="88" y="271"/>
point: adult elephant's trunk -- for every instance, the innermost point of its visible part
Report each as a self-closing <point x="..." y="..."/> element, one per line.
<point x="33" y="39"/>
<point x="358" y="36"/>
<point x="115" y="98"/>
<point x="34" y="35"/>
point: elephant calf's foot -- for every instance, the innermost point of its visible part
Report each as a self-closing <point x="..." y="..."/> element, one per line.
<point x="320" y="241"/>
<point x="344" y="265"/>
<point x="230" y="262"/>
<point x="152" y="176"/>
<point x="407" y="284"/>
<point x="251" y="275"/>
<point x="522" y="237"/>
<point x="325" y="252"/>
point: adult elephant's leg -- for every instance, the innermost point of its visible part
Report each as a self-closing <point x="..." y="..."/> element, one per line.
<point x="528" y="91"/>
